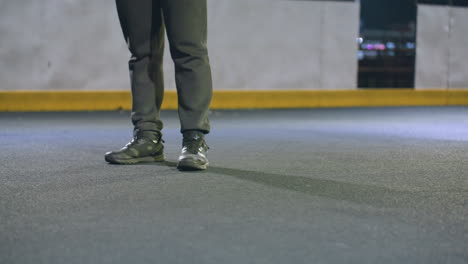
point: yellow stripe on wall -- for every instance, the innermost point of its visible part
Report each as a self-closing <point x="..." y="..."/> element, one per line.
<point x="231" y="99"/>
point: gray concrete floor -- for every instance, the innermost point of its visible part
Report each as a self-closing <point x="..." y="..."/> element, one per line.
<point x="362" y="185"/>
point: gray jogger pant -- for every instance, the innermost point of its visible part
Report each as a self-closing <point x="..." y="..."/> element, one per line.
<point x="144" y="23"/>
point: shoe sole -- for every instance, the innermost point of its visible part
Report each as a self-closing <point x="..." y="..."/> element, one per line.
<point x="148" y="159"/>
<point x="192" y="165"/>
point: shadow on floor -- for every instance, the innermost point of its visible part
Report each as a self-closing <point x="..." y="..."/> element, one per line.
<point x="372" y="195"/>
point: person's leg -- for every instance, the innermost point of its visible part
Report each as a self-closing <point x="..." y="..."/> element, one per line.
<point x="186" y="25"/>
<point x="143" y="29"/>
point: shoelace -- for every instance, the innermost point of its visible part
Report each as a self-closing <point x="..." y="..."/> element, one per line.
<point x="136" y="140"/>
<point x="193" y="145"/>
<point x="131" y="143"/>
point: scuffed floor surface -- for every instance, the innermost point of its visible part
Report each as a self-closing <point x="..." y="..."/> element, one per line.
<point x="361" y="185"/>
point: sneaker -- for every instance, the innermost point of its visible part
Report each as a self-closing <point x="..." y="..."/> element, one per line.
<point x="193" y="153"/>
<point x="139" y="149"/>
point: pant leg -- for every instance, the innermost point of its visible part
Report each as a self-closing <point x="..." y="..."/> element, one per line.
<point x="186" y="25"/>
<point x="143" y="29"/>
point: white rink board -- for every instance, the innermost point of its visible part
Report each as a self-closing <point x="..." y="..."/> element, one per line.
<point x="253" y="44"/>
<point x="442" y="53"/>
